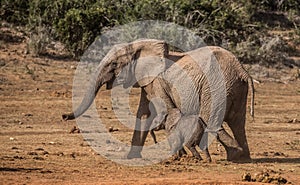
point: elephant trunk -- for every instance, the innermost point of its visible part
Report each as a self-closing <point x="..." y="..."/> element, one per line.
<point x="90" y="94"/>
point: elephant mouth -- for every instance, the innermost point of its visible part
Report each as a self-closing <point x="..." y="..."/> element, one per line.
<point x="110" y="83"/>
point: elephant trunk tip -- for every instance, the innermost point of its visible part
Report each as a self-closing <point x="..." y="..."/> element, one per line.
<point x="70" y="116"/>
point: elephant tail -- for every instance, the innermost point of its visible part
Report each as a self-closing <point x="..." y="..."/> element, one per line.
<point x="251" y="85"/>
<point x="247" y="78"/>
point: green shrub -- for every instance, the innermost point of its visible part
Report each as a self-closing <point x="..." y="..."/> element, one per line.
<point x="76" y="23"/>
<point x="14" y="11"/>
<point x="265" y="50"/>
<point x="276" y="5"/>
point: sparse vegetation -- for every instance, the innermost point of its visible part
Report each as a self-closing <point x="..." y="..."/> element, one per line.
<point x="240" y="26"/>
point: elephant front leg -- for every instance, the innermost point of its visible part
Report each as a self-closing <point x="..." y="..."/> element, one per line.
<point x="140" y="131"/>
<point x="207" y="155"/>
<point x="136" y="147"/>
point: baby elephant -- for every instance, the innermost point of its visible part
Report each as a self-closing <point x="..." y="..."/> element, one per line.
<point x="183" y="130"/>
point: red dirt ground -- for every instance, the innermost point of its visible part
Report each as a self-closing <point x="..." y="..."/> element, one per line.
<point x="37" y="148"/>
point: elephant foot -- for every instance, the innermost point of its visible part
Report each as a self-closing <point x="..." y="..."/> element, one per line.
<point x="243" y="159"/>
<point x="133" y="155"/>
<point x="135" y="152"/>
<point x="181" y="152"/>
<point x="234" y="154"/>
<point x="207" y="160"/>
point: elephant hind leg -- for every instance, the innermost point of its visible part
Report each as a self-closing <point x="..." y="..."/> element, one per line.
<point x="238" y="129"/>
<point x="236" y="117"/>
<point x="233" y="149"/>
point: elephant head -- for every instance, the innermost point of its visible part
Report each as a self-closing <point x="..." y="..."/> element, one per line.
<point x="132" y="64"/>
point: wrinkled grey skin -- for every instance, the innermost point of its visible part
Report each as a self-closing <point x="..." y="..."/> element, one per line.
<point x="183" y="130"/>
<point x="125" y="62"/>
<point x="179" y="93"/>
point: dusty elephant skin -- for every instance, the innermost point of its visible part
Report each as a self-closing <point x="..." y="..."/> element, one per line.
<point x="185" y="82"/>
<point x="174" y="88"/>
<point x="183" y="130"/>
<point x="127" y="55"/>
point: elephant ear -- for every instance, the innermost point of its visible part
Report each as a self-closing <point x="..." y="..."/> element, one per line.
<point x="147" y="62"/>
<point x="147" y="69"/>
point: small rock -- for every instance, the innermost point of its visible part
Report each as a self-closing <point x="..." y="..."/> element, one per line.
<point x="39" y="149"/>
<point x="2" y="63"/>
<point x="11" y="138"/>
<point x="18" y="157"/>
<point x="75" y="171"/>
<point x="14" y="148"/>
<point x="246" y="177"/>
<point x="268" y="176"/>
<point x="295" y="120"/>
<point x="74" y="130"/>
<point x="278" y="154"/>
<point x="258" y="177"/>
<point x="45" y="153"/>
<point x="60" y="154"/>
<point x="266" y="179"/>
<point x="267" y="121"/>
<point x="265" y="153"/>
<point x="32" y="153"/>
<point x="111" y="129"/>
<point x="28" y="115"/>
<point x="38" y="158"/>
<point x="95" y="153"/>
<point x="282" y="180"/>
<point x="73" y="155"/>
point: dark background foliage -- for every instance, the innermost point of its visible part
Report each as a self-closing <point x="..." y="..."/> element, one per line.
<point x="241" y="26"/>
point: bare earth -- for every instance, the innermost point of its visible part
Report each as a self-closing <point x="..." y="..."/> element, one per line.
<point x="38" y="148"/>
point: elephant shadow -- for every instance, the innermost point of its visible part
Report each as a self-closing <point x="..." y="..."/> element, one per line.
<point x="8" y="169"/>
<point x="276" y="160"/>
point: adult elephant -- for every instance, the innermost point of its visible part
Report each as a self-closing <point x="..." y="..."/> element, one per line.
<point x="140" y="62"/>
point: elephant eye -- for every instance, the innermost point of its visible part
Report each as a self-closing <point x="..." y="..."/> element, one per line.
<point x="114" y="64"/>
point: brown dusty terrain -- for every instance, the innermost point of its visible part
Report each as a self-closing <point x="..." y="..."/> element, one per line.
<point x="37" y="148"/>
